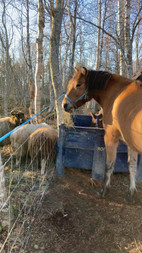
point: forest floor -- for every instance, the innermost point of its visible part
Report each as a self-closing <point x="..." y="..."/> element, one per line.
<point x="73" y="219"/>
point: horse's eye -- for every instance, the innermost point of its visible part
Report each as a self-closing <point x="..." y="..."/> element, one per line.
<point x="78" y="85"/>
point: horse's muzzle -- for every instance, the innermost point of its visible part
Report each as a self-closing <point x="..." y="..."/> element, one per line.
<point x="67" y="107"/>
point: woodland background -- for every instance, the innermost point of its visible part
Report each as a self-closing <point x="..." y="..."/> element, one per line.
<point x="41" y="41"/>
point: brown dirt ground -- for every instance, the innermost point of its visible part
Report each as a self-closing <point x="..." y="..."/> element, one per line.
<point x="73" y="219"/>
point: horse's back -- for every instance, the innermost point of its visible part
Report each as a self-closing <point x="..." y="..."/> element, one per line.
<point x="127" y="115"/>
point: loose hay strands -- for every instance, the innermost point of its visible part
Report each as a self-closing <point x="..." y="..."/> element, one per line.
<point x="67" y="119"/>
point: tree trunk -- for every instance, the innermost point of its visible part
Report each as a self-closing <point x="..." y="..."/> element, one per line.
<point x="56" y="21"/>
<point x="29" y="68"/>
<point x="73" y="40"/>
<point x="32" y="97"/>
<point x="121" y="36"/>
<point x="98" y="37"/>
<point x="69" y="35"/>
<point x="137" y="44"/>
<point x="6" y="46"/>
<point x="128" y="42"/>
<point x="52" y="98"/>
<point x="102" y="36"/>
<point x="137" y="50"/>
<point x="39" y="58"/>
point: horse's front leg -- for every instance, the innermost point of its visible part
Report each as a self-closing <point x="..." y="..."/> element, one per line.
<point x="132" y="161"/>
<point x="111" y="139"/>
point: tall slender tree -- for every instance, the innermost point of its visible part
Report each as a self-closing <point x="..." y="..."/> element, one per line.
<point x="73" y="20"/>
<point x="127" y="38"/>
<point x="121" y="36"/>
<point x="39" y="58"/>
<point x="29" y="65"/>
<point x="98" y="37"/>
<point x="5" y="41"/>
<point x="56" y="15"/>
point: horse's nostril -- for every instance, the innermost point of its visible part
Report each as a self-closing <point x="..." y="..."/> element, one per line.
<point x="65" y="106"/>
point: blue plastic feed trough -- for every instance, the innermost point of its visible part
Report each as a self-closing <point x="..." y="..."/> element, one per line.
<point x="82" y="120"/>
<point x="83" y="148"/>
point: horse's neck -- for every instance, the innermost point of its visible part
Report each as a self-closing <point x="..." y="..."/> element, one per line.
<point x="112" y="87"/>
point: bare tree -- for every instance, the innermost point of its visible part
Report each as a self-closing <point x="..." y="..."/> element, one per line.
<point x="137" y="43"/>
<point x="29" y="66"/>
<point x="69" y="37"/>
<point x="56" y="15"/>
<point x="121" y="36"/>
<point x="39" y="58"/>
<point x="129" y="33"/>
<point x="73" y="20"/>
<point x="127" y="38"/>
<point x="98" y="37"/>
<point x="5" y="41"/>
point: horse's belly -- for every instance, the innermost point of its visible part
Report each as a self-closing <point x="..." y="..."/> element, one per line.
<point x="128" y="115"/>
<point x="134" y="132"/>
<point x="134" y="137"/>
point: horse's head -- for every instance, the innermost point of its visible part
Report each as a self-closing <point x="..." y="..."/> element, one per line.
<point x="77" y="90"/>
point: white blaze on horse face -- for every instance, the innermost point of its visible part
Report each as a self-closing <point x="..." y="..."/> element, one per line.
<point x="67" y="105"/>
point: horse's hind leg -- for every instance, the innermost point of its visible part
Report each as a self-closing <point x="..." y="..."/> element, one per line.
<point x="132" y="161"/>
<point x="111" y="139"/>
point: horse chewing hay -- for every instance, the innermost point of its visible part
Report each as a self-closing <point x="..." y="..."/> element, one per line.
<point x="121" y="100"/>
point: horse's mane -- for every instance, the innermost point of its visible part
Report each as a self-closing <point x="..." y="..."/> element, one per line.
<point x="97" y="80"/>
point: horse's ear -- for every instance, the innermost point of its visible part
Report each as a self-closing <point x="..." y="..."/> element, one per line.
<point x="84" y="71"/>
<point x="76" y="69"/>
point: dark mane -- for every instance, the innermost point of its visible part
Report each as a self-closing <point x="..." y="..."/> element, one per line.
<point x="97" y="80"/>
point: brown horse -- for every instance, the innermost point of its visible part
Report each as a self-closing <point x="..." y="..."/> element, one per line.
<point x="121" y="100"/>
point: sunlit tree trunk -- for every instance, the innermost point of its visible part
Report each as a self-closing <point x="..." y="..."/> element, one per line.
<point x="73" y="39"/>
<point x="98" y="37"/>
<point x="137" y="50"/>
<point x="69" y="36"/>
<point x="32" y="98"/>
<point x="39" y="58"/>
<point x="102" y="33"/>
<point x="121" y="36"/>
<point x="52" y="98"/>
<point x="117" y="59"/>
<point x="128" y="42"/>
<point x="29" y="66"/>
<point x="56" y="21"/>
<point x="137" y="44"/>
<point x="6" y="45"/>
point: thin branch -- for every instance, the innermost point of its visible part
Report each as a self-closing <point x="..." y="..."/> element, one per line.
<point x="101" y="28"/>
<point x="134" y="28"/>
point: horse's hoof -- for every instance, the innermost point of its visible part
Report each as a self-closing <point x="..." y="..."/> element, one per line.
<point x="102" y="193"/>
<point x="132" y="197"/>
